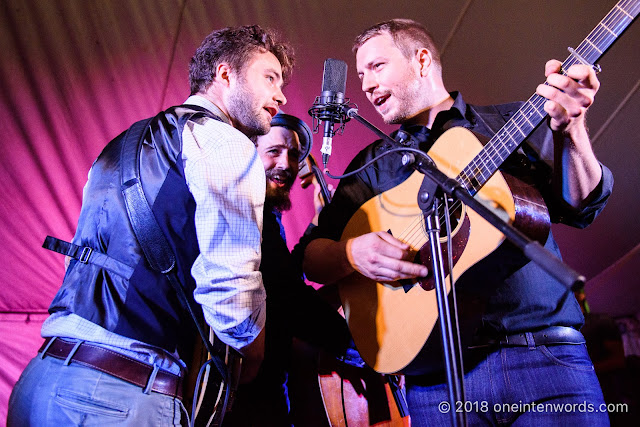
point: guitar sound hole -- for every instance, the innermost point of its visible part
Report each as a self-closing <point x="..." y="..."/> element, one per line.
<point x="423" y="256"/>
<point x="456" y="211"/>
<point x="459" y="240"/>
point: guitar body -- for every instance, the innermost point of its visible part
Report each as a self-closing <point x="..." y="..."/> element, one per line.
<point x="361" y="401"/>
<point x="391" y="323"/>
<point x="326" y="392"/>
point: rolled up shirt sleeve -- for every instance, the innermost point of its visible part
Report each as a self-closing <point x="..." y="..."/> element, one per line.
<point x="226" y="178"/>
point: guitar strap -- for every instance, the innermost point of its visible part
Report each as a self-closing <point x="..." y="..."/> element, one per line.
<point x="152" y="240"/>
<point x="493" y="120"/>
<point x="479" y="111"/>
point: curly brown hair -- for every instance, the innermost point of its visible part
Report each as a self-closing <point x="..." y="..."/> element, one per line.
<point x="234" y="46"/>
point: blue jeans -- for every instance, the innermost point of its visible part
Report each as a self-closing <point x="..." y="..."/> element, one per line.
<point x="49" y="393"/>
<point x="523" y="386"/>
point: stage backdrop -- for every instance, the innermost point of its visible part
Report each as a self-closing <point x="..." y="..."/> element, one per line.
<point x="76" y="73"/>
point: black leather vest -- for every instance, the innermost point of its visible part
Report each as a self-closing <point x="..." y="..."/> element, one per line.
<point x="136" y="302"/>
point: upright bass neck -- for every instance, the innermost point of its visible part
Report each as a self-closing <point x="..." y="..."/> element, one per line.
<point x="311" y="167"/>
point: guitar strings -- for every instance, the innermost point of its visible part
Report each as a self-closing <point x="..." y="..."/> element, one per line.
<point x="415" y="232"/>
<point x="601" y="37"/>
<point x="504" y="142"/>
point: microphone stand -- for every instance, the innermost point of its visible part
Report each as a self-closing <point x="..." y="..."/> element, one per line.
<point x="429" y="203"/>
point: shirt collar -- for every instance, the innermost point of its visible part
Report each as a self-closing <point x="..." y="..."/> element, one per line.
<point x="422" y="133"/>
<point x="458" y="109"/>
<point x="458" y="103"/>
<point x="203" y="102"/>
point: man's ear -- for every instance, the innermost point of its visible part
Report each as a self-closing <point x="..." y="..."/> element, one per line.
<point x="423" y="56"/>
<point x="223" y="74"/>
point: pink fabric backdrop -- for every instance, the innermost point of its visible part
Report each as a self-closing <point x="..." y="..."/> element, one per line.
<point x="75" y="73"/>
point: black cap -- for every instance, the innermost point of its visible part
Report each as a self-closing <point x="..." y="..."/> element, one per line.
<point x="298" y="126"/>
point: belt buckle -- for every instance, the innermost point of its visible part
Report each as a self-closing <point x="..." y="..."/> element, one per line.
<point x="86" y="253"/>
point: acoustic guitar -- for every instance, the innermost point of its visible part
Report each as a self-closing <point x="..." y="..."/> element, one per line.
<point x="391" y="322"/>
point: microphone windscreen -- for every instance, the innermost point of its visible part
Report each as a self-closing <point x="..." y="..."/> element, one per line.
<point x="334" y="78"/>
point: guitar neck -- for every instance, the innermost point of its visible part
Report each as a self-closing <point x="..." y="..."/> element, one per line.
<point x="532" y="113"/>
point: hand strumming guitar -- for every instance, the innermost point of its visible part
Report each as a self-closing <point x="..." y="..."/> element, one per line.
<point x="378" y="256"/>
<point x="382" y="257"/>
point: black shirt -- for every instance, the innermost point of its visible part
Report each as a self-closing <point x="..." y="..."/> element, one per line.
<point x="517" y="295"/>
<point x="293" y="310"/>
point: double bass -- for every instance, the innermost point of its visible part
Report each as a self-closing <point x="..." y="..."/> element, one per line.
<point x="329" y="392"/>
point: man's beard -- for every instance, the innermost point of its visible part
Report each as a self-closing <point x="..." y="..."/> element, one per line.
<point x="244" y="111"/>
<point x="279" y="197"/>
<point x="406" y="97"/>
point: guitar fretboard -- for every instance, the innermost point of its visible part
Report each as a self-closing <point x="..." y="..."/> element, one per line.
<point x="532" y="113"/>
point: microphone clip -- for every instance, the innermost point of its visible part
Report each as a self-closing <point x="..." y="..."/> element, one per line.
<point x="332" y="109"/>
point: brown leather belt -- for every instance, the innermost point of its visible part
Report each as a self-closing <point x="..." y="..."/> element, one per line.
<point x="115" y="364"/>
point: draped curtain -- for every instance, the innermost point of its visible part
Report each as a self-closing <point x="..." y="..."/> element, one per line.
<point x="76" y="73"/>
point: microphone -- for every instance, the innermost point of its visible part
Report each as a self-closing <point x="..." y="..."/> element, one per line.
<point x="330" y="107"/>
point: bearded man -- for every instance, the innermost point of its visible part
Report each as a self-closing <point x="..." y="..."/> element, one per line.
<point x="294" y="309"/>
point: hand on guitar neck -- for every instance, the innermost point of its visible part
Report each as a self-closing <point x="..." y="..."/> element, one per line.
<point x="568" y="98"/>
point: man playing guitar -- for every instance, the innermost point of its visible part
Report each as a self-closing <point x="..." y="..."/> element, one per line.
<point x="527" y="345"/>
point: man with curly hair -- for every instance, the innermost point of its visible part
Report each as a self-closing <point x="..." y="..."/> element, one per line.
<point x="118" y="336"/>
